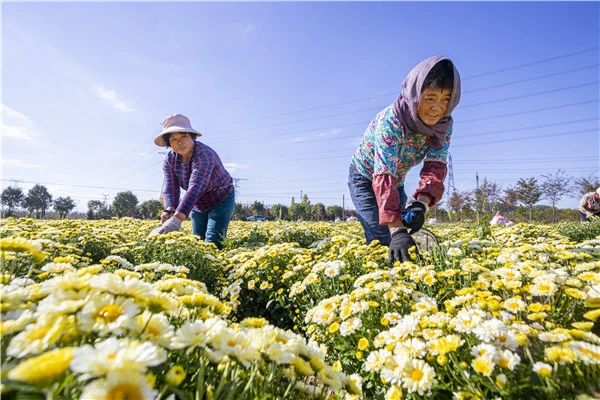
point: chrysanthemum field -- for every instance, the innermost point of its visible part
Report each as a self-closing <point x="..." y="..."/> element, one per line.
<point x="99" y="310"/>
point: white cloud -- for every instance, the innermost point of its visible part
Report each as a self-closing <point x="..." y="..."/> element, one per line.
<point x="249" y="28"/>
<point x="299" y="139"/>
<point x="145" y="155"/>
<point x="18" y="163"/>
<point x="111" y="97"/>
<point x="331" y="132"/>
<point x="16" y="125"/>
<point x="232" y="167"/>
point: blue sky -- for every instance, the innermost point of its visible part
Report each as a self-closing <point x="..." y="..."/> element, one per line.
<point x="284" y="91"/>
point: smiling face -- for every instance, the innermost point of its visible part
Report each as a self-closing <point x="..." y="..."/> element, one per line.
<point x="433" y="104"/>
<point x="182" y="143"/>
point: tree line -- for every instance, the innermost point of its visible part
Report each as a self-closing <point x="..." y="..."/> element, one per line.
<point x="519" y="202"/>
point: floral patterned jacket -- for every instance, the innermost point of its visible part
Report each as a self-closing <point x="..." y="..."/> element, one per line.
<point x="387" y="153"/>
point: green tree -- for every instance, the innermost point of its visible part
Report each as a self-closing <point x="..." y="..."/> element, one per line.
<point x="554" y="187"/>
<point x="39" y="200"/>
<point x="241" y="212"/>
<point x="485" y="198"/>
<point x="98" y="210"/>
<point x="508" y="200"/>
<point x="150" y="209"/>
<point x="258" y="208"/>
<point x="63" y="206"/>
<point x="124" y="204"/>
<point x="279" y="212"/>
<point x="529" y="193"/>
<point x="458" y="202"/>
<point x="318" y="212"/>
<point x="585" y="185"/>
<point x="334" y="212"/>
<point x="12" y="197"/>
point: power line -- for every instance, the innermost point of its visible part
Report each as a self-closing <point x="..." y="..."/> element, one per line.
<point x="533" y="63"/>
<point x="379" y="108"/>
<point x="523" y="96"/>
<point x="531" y="79"/>
<point x="579" y="103"/>
<point x="397" y="92"/>
<point x="89" y="186"/>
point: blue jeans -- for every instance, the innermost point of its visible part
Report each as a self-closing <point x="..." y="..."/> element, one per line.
<point x="367" y="211"/>
<point x="212" y="225"/>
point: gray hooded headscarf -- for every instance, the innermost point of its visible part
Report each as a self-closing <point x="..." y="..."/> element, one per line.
<point x="406" y="106"/>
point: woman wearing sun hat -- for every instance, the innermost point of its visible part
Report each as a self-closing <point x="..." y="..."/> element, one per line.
<point x="209" y="199"/>
<point x="589" y="205"/>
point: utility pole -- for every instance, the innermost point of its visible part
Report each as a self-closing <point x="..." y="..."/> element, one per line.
<point x="343" y="206"/>
<point x="105" y="197"/>
<point x="16" y="181"/>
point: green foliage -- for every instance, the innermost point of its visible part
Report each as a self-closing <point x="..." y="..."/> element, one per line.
<point x="63" y="206"/>
<point x="578" y="232"/>
<point x="125" y="204"/>
<point x="150" y="209"/>
<point x="12" y="197"/>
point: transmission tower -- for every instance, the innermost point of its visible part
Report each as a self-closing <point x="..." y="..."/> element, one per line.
<point x="236" y="185"/>
<point x="451" y="174"/>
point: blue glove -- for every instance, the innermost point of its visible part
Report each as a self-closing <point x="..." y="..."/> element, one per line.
<point x="414" y="216"/>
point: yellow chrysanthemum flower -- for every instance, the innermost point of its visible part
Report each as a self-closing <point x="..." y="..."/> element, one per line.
<point x="43" y="368"/>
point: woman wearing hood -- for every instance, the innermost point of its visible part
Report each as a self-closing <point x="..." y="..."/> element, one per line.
<point x="416" y="127"/>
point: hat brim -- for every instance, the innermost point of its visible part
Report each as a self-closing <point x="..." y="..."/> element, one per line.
<point x="160" y="140"/>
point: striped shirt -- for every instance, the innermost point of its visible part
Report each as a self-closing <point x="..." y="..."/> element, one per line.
<point x="204" y="178"/>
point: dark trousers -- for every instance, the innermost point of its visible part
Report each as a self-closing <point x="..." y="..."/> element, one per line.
<point x="585" y="218"/>
<point x="367" y="211"/>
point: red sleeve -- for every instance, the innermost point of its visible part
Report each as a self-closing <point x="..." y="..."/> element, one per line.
<point x="432" y="174"/>
<point x="388" y="198"/>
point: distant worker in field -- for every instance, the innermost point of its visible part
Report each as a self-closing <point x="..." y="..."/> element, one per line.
<point x="416" y="127"/>
<point x="209" y="199"/>
<point x="589" y="205"/>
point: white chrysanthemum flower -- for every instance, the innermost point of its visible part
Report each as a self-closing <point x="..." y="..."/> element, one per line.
<point x="553" y="337"/>
<point x="411" y="348"/>
<point x="118" y="385"/>
<point x="129" y="287"/>
<point x="588" y="353"/>
<point x="198" y="333"/>
<point x="542" y="368"/>
<point x="377" y="360"/>
<point x="454" y="252"/>
<point x="514" y="305"/>
<point x="485" y="350"/>
<point x="108" y="314"/>
<point x="57" y="268"/>
<point x="507" y="359"/>
<point x="332" y="270"/>
<point x="466" y="320"/>
<point x="236" y="344"/>
<point x="64" y="302"/>
<point x="155" y="328"/>
<point x="38" y="337"/>
<point x="418" y="376"/>
<point x="350" y="326"/>
<point x="113" y="355"/>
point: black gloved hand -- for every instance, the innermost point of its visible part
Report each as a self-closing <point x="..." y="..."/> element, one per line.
<point x="401" y="242"/>
<point x="414" y="216"/>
